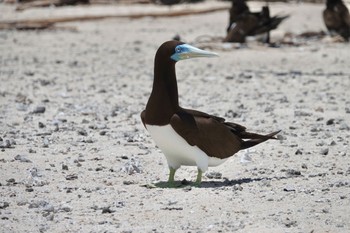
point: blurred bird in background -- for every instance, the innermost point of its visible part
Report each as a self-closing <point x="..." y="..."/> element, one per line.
<point x="243" y="22"/>
<point x="337" y="18"/>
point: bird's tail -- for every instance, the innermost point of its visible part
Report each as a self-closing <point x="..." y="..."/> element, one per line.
<point x="256" y="139"/>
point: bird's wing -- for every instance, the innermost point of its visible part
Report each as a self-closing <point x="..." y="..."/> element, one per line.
<point x="344" y="14"/>
<point x="331" y="19"/>
<point x="244" y="25"/>
<point x="210" y="135"/>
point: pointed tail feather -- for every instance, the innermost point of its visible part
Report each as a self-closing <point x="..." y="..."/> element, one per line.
<point x="257" y="139"/>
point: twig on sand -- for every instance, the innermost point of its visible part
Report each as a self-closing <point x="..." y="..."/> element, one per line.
<point x="46" y="22"/>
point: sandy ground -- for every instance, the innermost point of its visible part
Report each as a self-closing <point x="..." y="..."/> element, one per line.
<point x="76" y="158"/>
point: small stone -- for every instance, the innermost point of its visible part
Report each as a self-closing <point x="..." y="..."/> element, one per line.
<point x="103" y="132"/>
<point x="64" y="167"/>
<point x="326" y="211"/>
<point x="41" y="125"/>
<point x="107" y="210"/>
<point x="29" y="189"/>
<point x="289" y="189"/>
<point x="319" y="109"/>
<point x="324" y="151"/>
<point x="84" y="121"/>
<point x="4" y="205"/>
<point x="131" y="167"/>
<point x="65" y="208"/>
<point x="22" y="203"/>
<point x="22" y="159"/>
<point x="344" y="126"/>
<point x="298" y="152"/>
<point x="46" y="143"/>
<point x="5" y="144"/>
<point x="72" y="177"/>
<point x="49" y="208"/>
<point x="82" y="132"/>
<point x="187" y="188"/>
<point x="213" y="175"/>
<point x="330" y="122"/>
<point x="292" y="172"/>
<point x="37" y="204"/>
<point x="128" y="182"/>
<point x="119" y="204"/>
<point x="11" y="180"/>
<point x="237" y="187"/>
<point x="49" y="217"/>
<point x="304" y="166"/>
<point x="39" y="109"/>
<point x="21" y="107"/>
<point x="302" y="114"/>
<point x="32" y="151"/>
<point x="290" y="223"/>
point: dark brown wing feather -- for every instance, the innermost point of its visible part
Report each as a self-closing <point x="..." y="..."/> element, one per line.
<point x="216" y="138"/>
<point x="331" y="19"/>
<point x="337" y="19"/>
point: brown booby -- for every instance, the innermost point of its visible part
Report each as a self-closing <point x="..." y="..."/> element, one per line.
<point x="189" y="137"/>
<point x="243" y="22"/>
<point x="337" y="18"/>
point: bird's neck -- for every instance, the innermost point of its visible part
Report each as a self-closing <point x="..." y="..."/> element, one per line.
<point x="332" y="3"/>
<point x="163" y="102"/>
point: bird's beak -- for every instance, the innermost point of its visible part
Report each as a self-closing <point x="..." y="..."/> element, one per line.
<point x="185" y="51"/>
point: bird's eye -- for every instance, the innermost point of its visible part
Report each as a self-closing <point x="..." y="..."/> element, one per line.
<point x="178" y="49"/>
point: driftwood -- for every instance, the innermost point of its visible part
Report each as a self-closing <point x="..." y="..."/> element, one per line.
<point x="26" y="4"/>
<point x="45" y="3"/>
<point x="40" y="23"/>
<point x="26" y="25"/>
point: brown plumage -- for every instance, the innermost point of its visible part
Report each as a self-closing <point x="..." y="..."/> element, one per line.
<point x="211" y="134"/>
<point x="243" y="23"/>
<point x="337" y="18"/>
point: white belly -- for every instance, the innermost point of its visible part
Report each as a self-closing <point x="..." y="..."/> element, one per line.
<point x="177" y="151"/>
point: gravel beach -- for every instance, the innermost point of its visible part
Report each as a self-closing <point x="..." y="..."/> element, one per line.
<point x="75" y="157"/>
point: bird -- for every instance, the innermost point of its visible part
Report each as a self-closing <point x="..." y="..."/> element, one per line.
<point x="337" y="18"/>
<point x="243" y="22"/>
<point x="189" y="137"/>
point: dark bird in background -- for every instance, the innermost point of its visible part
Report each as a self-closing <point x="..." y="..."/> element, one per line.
<point x="243" y="23"/>
<point x="189" y="137"/>
<point x="337" y="18"/>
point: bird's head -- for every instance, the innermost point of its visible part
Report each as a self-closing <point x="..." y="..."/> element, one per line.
<point x="178" y="51"/>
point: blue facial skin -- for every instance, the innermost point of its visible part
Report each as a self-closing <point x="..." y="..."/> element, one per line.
<point x="180" y="50"/>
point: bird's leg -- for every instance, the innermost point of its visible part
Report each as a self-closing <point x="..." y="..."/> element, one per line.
<point x="199" y="177"/>
<point x="171" y="176"/>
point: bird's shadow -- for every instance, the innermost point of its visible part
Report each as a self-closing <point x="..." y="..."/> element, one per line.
<point x="211" y="184"/>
